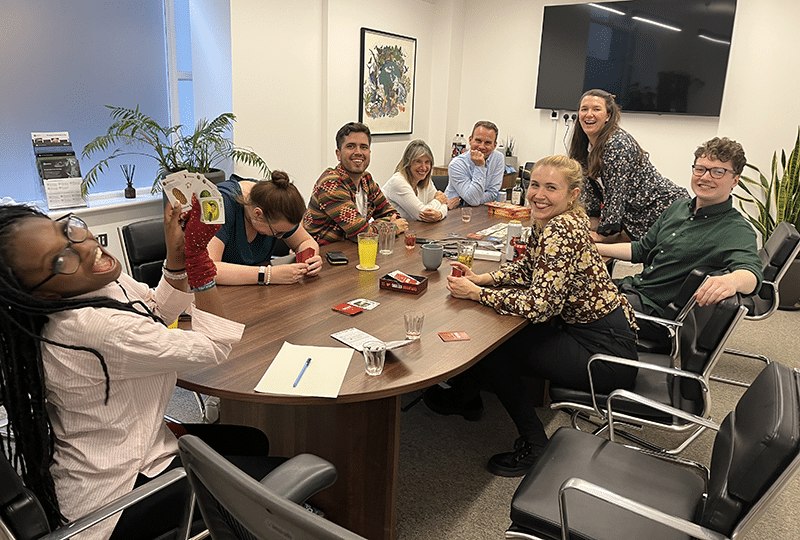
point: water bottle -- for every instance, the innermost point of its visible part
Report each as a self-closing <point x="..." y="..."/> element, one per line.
<point x="456" y="144"/>
<point x="516" y="193"/>
<point x="514" y="231"/>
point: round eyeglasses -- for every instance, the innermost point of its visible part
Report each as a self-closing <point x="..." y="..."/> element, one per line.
<point x="68" y="260"/>
<point x="715" y="172"/>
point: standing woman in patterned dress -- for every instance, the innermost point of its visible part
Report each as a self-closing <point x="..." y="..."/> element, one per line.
<point x="624" y="193"/>
<point x="562" y="287"/>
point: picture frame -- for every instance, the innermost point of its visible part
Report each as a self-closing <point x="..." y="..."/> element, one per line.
<point x="387" y="82"/>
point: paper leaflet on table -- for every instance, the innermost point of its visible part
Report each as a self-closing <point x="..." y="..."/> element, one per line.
<point x="322" y="377"/>
<point x="355" y="338"/>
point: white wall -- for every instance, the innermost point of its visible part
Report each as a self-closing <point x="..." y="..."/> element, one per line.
<point x="295" y="81"/>
<point x="759" y="104"/>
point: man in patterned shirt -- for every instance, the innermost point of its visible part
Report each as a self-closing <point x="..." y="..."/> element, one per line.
<point x="346" y="200"/>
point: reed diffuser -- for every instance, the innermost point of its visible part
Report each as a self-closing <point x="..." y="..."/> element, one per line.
<point x="128" y="170"/>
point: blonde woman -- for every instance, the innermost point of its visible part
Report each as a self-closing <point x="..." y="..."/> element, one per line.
<point x="562" y="287"/>
<point x="411" y="191"/>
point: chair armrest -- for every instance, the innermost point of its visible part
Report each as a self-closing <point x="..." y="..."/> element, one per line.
<point x="653" y="514"/>
<point x="658" y="320"/>
<point x="300" y="477"/>
<point x="118" y="505"/>
<point x="641" y="365"/>
<point x="663" y="407"/>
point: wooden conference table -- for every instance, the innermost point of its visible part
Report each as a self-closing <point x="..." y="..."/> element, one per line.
<point x="358" y="431"/>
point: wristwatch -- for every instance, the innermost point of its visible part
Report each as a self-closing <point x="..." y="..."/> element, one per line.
<point x="261" y="274"/>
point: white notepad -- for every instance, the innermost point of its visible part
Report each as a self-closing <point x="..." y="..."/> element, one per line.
<point x="322" y="377"/>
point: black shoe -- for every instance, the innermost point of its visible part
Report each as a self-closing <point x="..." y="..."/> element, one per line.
<point x="516" y="463"/>
<point x="453" y="401"/>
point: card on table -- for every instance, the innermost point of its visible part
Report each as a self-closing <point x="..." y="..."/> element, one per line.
<point x="363" y="303"/>
<point x="458" y="335"/>
<point x="347" y="309"/>
<point x="304" y="255"/>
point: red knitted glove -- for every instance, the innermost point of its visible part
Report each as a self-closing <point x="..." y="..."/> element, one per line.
<point x="200" y="269"/>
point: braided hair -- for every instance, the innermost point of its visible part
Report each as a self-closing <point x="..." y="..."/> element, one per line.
<point x="22" y="381"/>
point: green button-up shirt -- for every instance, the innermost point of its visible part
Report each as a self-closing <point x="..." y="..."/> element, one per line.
<point x="681" y="239"/>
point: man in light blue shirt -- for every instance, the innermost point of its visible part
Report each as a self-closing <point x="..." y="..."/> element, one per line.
<point x="475" y="176"/>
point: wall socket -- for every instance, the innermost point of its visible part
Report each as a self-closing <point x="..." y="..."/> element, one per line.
<point x="102" y="239"/>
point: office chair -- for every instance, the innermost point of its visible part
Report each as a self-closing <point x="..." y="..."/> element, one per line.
<point x="22" y="516"/>
<point x="680" y="381"/>
<point x="777" y="255"/>
<point x="145" y="249"/>
<point x="593" y="488"/>
<point x="440" y="181"/>
<point x="235" y="506"/>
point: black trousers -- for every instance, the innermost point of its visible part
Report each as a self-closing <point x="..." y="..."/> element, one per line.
<point x="163" y="512"/>
<point x="559" y="353"/>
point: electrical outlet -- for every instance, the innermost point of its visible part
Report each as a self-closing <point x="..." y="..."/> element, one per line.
<point x="102" y="239"/>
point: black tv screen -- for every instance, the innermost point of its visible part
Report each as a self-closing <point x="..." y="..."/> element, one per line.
<point x="662" y="56"/>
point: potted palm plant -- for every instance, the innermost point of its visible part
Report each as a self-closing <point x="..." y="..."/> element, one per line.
<point x="776" y="199"/>
<point x="135" y="133"/>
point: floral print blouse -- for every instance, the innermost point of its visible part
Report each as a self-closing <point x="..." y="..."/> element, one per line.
<point x="561" y="273"/>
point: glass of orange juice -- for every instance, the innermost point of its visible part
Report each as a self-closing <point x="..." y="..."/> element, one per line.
<point x="367" y="251"/>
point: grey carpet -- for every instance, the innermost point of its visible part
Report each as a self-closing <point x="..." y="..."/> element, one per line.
<point x="445" y="491"/>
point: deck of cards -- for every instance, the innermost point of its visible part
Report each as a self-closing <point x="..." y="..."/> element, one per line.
<point x="180" y="187"/>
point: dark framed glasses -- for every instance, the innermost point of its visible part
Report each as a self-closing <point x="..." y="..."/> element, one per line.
<point x="68" y="260"/>
<point x="715" y="172"/>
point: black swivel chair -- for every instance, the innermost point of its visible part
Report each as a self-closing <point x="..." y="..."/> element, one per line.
<point x="598" y="489"/>
<point x="22" y="516"/>
<point x="680" y="381"/>
<point x="440" y="181"/>
<point x="235" y="506"/>
<point x="777" y="255"/>
<point x="145" y="249"/>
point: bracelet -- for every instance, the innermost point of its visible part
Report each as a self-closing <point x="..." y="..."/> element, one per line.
<point x="205" y="287"/>
<point x="269" y="274"/>
<point x="171" y="274"/>
<point x="177" y="271"/>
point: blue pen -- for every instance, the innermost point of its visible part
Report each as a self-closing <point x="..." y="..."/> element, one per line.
<point x="297" y="380"/>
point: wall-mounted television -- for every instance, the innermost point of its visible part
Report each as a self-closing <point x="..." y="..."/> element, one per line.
<point x="658" y="56"/>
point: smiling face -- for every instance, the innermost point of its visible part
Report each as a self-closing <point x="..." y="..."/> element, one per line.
<point x="354" y="154"/>
<point x="483" y="140"/>
<point x="593" y="116"/>
<point x="37" y="243"/>
<point x="710" y="190"/>
<point x="549" y="193"/>
<point x="420" y="169"/>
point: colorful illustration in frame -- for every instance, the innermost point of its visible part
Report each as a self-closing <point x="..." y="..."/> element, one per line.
<point x="388" y="62"/>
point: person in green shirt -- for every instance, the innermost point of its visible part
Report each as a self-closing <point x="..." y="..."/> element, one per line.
<point x="703" y="231"/>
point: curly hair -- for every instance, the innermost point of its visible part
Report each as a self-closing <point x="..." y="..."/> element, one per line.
<point x="723" y="149"/>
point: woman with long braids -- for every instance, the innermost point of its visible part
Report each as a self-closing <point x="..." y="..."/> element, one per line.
<point x="87" y="364"/>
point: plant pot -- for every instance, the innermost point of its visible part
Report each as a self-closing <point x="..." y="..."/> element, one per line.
<point x="215" y="175"/>
<point x="789" y="289"/>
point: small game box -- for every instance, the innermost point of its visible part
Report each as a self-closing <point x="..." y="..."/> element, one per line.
<point x="506" y="209"/>
<point x="388" y="282"/>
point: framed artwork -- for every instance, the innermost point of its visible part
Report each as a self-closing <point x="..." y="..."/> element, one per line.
<point x="388" y="69"/>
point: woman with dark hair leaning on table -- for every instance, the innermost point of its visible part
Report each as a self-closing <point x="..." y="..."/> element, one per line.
<point x="257" y="215"/>
<point x="562" y="287"/>
<point x="88" y="365"/>
<point x="624" y="193"/>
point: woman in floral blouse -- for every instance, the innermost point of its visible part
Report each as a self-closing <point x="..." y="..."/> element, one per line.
<point x="562" y="286"/>
<point x="624" y="193"/>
